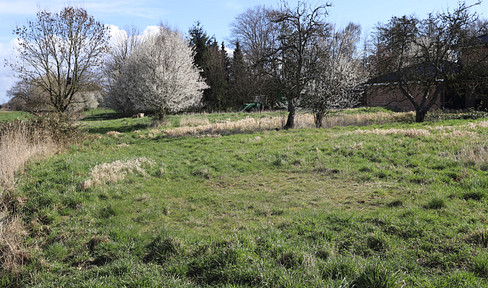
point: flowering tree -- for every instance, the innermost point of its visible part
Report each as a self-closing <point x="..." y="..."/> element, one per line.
<point x="123" y="45"/>
<point x="339" y="73"/>
<point x="160" y="77"/>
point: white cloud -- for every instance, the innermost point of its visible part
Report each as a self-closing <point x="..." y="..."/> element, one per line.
<point x="151" y="30"/>
<point x="116" y="33"/>
<point x="230" y="52"/>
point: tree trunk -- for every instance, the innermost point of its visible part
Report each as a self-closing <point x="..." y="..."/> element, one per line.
<point x="319" y="117"/>
<point x="420" y="115"/>
<point x="290" y="122"/>
<point x="160" y="116"/>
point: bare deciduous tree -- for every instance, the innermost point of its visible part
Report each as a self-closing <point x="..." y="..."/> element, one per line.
<point x="294" y="54"/>
<point x="256" y="35"/>
<point x="160" y="77"/>
<point x="61" y="53"/>
<point x="26" y="97"/>
<point x="422" y="57"/>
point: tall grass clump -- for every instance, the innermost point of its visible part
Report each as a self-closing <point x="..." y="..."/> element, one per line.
<point x="18" y="143"/>
<point x="21" y="141"/>
<point x="365" y="119"/>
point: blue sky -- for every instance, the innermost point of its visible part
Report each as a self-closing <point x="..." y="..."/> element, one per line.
<point x="216" y="16"/>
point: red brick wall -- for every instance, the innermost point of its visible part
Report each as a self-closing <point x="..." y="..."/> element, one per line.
<point x="389" y="96"/>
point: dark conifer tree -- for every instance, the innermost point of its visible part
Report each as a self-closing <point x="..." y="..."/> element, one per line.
<point x="200" y="41"/>
<point x="239" y="82"/>
<point x="215" y="73"/>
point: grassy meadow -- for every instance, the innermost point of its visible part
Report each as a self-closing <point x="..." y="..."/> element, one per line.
<point x="231" y="200"/>
<point x="13" y="115"/>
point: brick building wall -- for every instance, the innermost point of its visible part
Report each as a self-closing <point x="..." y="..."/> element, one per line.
<point x="389" y="96"/>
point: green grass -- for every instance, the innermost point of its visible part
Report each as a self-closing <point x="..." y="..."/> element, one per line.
<point x="298" y="208"/>
<point x="101" y="121"/>
<point x="14" y="115"/>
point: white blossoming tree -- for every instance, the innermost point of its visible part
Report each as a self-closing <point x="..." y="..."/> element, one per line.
<point x="160" y="76"/>
<point x="339" y="73"/>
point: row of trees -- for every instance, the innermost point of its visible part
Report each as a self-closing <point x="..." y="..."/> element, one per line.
<point x="62" y="54"/>
<point x="289" y="55"/>
<point x="294" y="55"/>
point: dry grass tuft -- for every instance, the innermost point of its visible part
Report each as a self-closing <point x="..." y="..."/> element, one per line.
<point x="405" y="132"/>
<point x="113" y="133"/>
<point x="482" y="124"/>
<point x="12" y="252"/>
<point x="193" y="120"/>
<point x="474" y="153"/>
<point x="116" y="171"/>
<point x="366" y="119"/>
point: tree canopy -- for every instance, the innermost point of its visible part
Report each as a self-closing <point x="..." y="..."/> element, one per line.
<point x="61" y="53"/>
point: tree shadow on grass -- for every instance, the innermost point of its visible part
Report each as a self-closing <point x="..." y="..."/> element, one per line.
<point x="123" y="129"/>
<point x="103" y="116"/>
<point x="114" y="122"/>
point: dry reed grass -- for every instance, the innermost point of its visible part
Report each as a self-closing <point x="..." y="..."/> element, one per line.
<point x="18" y="144"/>
<point x="116" y="171"/>
<point x="16" y="148"/>
<point x="442" y="131"/>
<point x="412" y="132"/>
<point x="228" y="127"/>
<point x="366" y="119"/>
<point x="474" y="153"/>
<point x="192" y="121"/>
<point x="200" y="126"/>
<point x="12" y="251"/>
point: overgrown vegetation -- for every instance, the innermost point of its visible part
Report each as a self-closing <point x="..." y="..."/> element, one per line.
<point x="20" y="142"/>
<point x="387" y="205"/>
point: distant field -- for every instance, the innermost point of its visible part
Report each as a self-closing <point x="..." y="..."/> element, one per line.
<point x="12" y="115"/>
<point x="391" y="204"/>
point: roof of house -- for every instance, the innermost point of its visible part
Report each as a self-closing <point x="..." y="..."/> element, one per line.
<point x="415" y="72"/>
<point x="483" y="39"/>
